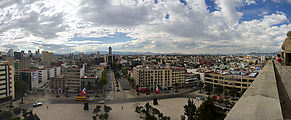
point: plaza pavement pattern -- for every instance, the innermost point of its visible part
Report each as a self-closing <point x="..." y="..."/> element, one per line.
<point x="169" y="107"/>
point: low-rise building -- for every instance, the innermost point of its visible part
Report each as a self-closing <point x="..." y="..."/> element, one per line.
<point x="238" y="81"/>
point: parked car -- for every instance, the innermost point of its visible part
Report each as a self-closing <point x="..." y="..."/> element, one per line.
<point x="107" y="98"/>
<point x="101" y="102"/>
<point x="36" y="104"/>
<point x="90" y="99"/>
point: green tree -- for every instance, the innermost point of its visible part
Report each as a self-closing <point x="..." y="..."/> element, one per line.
<point x="208" y="111"/>
<point x="190" y="110"/>
<point x="107" y="109"/>
<point x="5" y="115"/>
<point x="124" y="72"/>
<point x="17" y="111"/>
<point x="165" y="118"/>
<point x="200" y="85"/>
<point x="138" y="109"/>
<point x="103" y="116"/>
<point x="148" y="107"/>
<point x="208" y="88"/>
<point x="225" y="91"/>
<point x="31" y="116"/>
<point x="219" y="90"/>
<point x="183" y="117"/>
<point x="94" y="117"/>
<point x="103" y="80"/>
<point x="160" y="115"/>
<point x="155" y="111"/>
<point x="233" y="92"/>
<point x="176" y="87"/>
<point x="97" y="109"/>
<point x="20" y="88"/>
<point x="117" y="75"/>
<point x="137" y="87"/>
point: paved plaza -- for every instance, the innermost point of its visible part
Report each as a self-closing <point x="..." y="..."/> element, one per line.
<point x="169" y="107"/>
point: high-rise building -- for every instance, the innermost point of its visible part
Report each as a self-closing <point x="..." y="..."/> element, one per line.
<point x="18" y="55"/>
<point x="16" y="69"/>
<point x="37" y="53"/>
<point x="98" y="54"/>
<point x="109" y="59"/>
<point x="10" y="53"/>
<point x="110" y="50"/>
<point x="29" y="53"/>
<point x="47" y="57"/>
<point x="6" y="81"/>
<point x="22" y="52"/>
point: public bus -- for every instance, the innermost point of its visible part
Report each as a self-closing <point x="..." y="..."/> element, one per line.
<point x="83" y="98"/>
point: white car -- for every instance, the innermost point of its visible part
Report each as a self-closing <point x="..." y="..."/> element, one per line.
<point x="198" y="98"/>
<point x="90" y="99"/>
<point x="107" y="98"/>
<point x="36" y="104"/>
<point x="101" y="102"/>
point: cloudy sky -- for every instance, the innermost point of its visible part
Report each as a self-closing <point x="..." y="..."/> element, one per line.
<point x="160" y="26"/>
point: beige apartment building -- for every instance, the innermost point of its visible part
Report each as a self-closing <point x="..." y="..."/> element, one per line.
<point x="47" y="56"/>
<point x="163" y="77"/>
<point x="7" y="89"/>
<point x="70" y="79"/>
<point x="58" y="82"/>
<point x="229" y="81"/>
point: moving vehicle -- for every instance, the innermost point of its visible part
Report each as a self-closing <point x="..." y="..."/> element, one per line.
<point x="101" y="102"/>
<point x="36" y="104"/>
<point x="82" y="98"/>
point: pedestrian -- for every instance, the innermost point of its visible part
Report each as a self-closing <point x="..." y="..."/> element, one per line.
<point x="122" y="107"/>
<point x="46" y="107"/>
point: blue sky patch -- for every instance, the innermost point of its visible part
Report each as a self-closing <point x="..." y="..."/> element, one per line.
<point x="167" y="16"/>
<point x="260" y="9"/>
<point x="211" y="5"/>
<point x="112" y="38"/>
<point x="156" y="1"/>
<point x="184" y="2"/>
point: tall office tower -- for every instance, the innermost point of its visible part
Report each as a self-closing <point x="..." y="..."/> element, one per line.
<point x="18" y="55"/>
<point x="98" y="54"/>
<point x="22" y="53"/>
<point x="6" y="81"/>
<point x="10" y="53"/>
<point x="37" y="53"/>
<point x="110" y="50"/>
<point x="29" y="53"/>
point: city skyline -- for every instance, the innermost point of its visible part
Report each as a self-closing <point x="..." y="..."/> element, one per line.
<point x="158" y="26"/>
